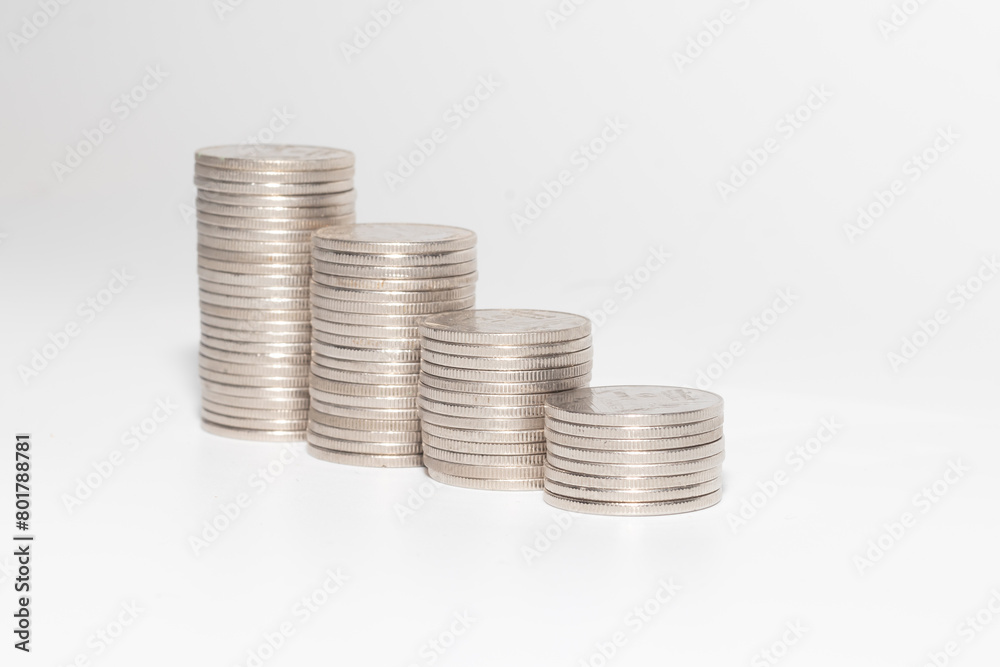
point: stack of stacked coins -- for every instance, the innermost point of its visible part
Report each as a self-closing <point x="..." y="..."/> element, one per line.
<point x="257" y="208"/>
<point x="484" y="378"/>
<point x="634" y="450"/>
<point x="372" y="285"/>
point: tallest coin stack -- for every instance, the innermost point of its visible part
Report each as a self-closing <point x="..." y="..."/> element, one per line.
<point x="257" y="209"/>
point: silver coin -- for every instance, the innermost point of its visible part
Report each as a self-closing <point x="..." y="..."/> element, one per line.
<point x="364" y="424"/>
<point x="357" y="435"/>
<point x="245" y="402"/>
<point x="277" y="224"/>
<point x="253" y="358"/>
<point x="271" y="212"/>
<point x="632" y="432"/>
<point x="258" y="269"/>
<point x="256" y="337"/>
<point x="483" y="472"/>
<point x="254" y="235"/>
<point x="485" y="424"/>
<point x="259" y="424"/>
<point x="487" y="400"/>
<point x="252" y="434"/>
<point x="393" y="259"/>
<point x="254" y="347"/>
<point x="504" y="387"/>
<point x="482" y="412"/>
<point x="364" y="319"/>
<point x="367" y="342"/>
<point x="254" y="413"/>
<point x="285" y="382"/>
<point x="481" y="375"/>
<point x="373" y="402"/>
<point x="632" y="405"/>
<point x="376" y="367"/>
<point x="397" y="238"/>
<point x="648" y="444"/>
<point x="257" y="369"/>
<point x="252" y="246"/>
<point x="508" y="351"/>
<point x="368" y="460"/>
<point x="366" y="414"/>
<point x="238" y="326"/>
<point x="639" y="458"/>
<point x="244" y="391"/>
<point x="630" y="483"/>
<point x="484" y="459"/>
<point x="251" y="176"/>
<point x="633" y="495"/>
<point x="389" y="296"/>
<point x="255" y="280"/>
<point x="255" y="314"/>
<point x="273" y="188"/>
<point x="358" y="389"/>
<point x="636" y="470"/>
<point x="486" y="484"/>
<point x="357" y="331"/>
<point x="335" y="375"/>
<point x="355" y="447"/>
<point x="367" y="355"/>
<point x="253" y="291"/>
<point x="634" y="509"/>
<point x="252" y="257"/>
<point x="509" y="363"/>
<point x="420" y="285"/>
<point x="377" y="308"/>
<point x="262" y="303"/>
<point x="505" y="327"/>
<point x="496" y="448"/>
<point x="277" y="157"/>
<point x="280" y="201"/>
<point x="475" y="435"/>
<point x="393" y="272"/>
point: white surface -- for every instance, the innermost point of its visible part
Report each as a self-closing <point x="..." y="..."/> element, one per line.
<point x="655" y="186"/>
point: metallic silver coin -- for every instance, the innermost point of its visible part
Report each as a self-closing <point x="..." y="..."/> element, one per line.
<point x="245" y="391"/>
<point x="256" y="280"/>
<point x="633" y="495"/>
<point x="482" y="375"/>
<point x="482" y="412"/>
<point x="507" y="351"/>
<point x="393" y="272"/>
<point x="367" y="355"/>
<point x="639" y="458"/>
<point x="250" y="176"/>
<point x="487" y="400"/>
<point x="376" y="308"/>
<point x="257" y="369"/>
<point x="273" y="188"/>
<point x="368" y="460"/>
<point x="264" y="303"/>
<point x="366" y="414"/>
<point x="505" y="327"/>
<point x="374" y="402"/>
<point x="440" y="259"/>
<point x="363" y="378"/>
<point x="238" y="326"/>
<point x="389" y="296"/>
<point x="367" y="342"/>
<point x="509" y="363"/>
<point x="245" y="347"/>
<point x="357" y="331"/>
<point x="364" y="424"/>
<point x="255" y="403"/>
<point x="260" y="381"/>
<point x="255" y="314"/>
<point x="373" y="284"/>
<point x="397" y="238"/>
<point x="484" y="459"/>
<point x="254" y="292"/>
<point x="635" y="405"/>
<point x="637" y="470"/>
<point x="485" y="424"/>
<point x="280" y="201"/>
<point x="256" y="269"/>
<point x="271" y="212"/>
<point x="277" y="224"/>
<point x="277" y="157"/>
<point x="483" y="472"/>
<point x="252" y="257"/>
<point x="252" y="434"/>
<point x="376" y="367"/>
<point x="259" y="424"/>
<point x="634" y="509"/>
<point x="357" y="435"/>
<point x="358" y="389"/>
<point x="254" y="235"/>
<point x="649" y="444"/>
<point x="630" y="483"/>
<point x="486" y="484"/>
<point x="495" y="448"/>
<point x="632" y="432"/>
<point x="251" y="246"/>
<point x="253" y="358"/>
<point x="474" y="435"/>
<point x="256" y="337"/>
<point x="355" y="447"/>
<point x="504" y="387"/>
<point x="364" y="319"/>
<point x="253" y="413"/>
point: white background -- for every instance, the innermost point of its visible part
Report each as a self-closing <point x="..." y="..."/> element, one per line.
<point x="127" y="206"/>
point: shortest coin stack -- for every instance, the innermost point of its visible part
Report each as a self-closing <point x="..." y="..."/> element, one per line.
<point x="634" y="450"/>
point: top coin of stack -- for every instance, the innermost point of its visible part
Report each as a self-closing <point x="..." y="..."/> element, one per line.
<point x="484" y="378"/>
<point x="372" y="284"/>
<point x="634" y="450"/>
<point x="257" y="208"/>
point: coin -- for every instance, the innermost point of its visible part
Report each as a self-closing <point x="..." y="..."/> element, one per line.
<point x="439" y="259"/>
<point x="486" y="484"/>
<point x="393" y="272"/>
<point x="482" y="412"/>
<point x="331" y="352"/>
<point x="633" y="432"/>
<point x="252" y="358"/>
<point x="280" y="224"/>
<point x="259" y="381"/>
<point x="390" y="238"/>
<point x="524" y="376"/>
<point x="261" y="303"/>
<point x="486" y="400"/>
<point x="244" y="402"/>
<point x="281" y="157"/>
<point x="249" y="176"/>
<point x="254" y="235"/>
<point x="474" y="435"/>
<point x="367" y="342"/>
<point x="634" y="509"/>
<point x="379" y="308"/>
<point x="254" y="292"/>
<point x="363" y="377"/>
<point x="254" y="314"/>
<point x="358" y="331"/>
<point x="633" y="495"/>
<point x="627" y="483"/>
<point x="252" y="434"/>
<point x="259" y="369"/>
<point x="519" y="388"/>
<point x="280" y="201"/>
<point x="376" y="402"/>
<point x="249" y="423"/>
<point x="365" y="319"/>
<point x="635" y="406"/>
<point x="256" y="392"/>
<point x="680" y="442"/>
<point x="273" y="188"/>
<point x="245" y="258"/>
<point x="381" y="414"/>
<point x="641" y="457"/>
<point x="481" y="471"/>
<point x="236" y="245"/>
<point x="247" y="347"/>
<point x="356" y="435"/>
<point x="505" y="351"/>
<point x="353" y="447"/>
<point x="368" y="460"/>
<point x="505" y="327"/>
<point x="360" y="389"/>
<point x="364" y="424"/>
<point x="272" y="212"/>
<point x="256" y="268"/>
<point x="636" y="470"/>
<point x="418" y="285"/>
<point x="483" y="459"/>
<point x="390" y="296"/>
<point x="376" y="367"/>
<point x="256" y="280"/>
<point x="486" y="424"/>
<point x="497" y="448"/>
<point x="248" y="326"/>
<point x="509" y="363"/>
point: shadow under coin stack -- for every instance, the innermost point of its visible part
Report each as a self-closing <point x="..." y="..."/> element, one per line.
<point x="634" y="450"/>
<point x="257" y="209"/>
<point x="484" y="378"/>
<point x="372" y="285"/>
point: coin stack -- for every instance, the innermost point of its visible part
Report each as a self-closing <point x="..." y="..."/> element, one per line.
<point x="257" y="208"/>
<point x="484" y="378"/>
<point x="372" y="285"/>
<point x="634" y="450"/>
